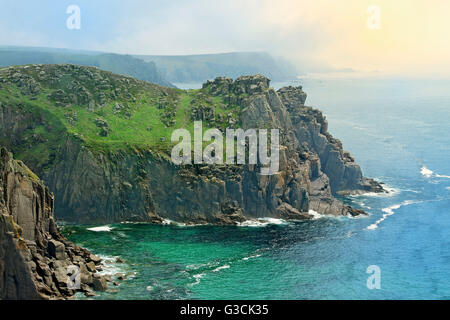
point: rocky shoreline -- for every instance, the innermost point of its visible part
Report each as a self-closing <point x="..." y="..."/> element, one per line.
<point x="139" y="184"/>
<point x="34" y="256"/>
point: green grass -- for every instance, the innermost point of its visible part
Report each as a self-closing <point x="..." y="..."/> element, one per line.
<point x="143" y="128"/>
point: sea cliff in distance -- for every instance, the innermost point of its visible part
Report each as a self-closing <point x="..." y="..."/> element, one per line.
<point x="202" y="67"/>
<point x="102" y="143"/>
<point x="162" y="70"/>
<point x="118" y="63"/>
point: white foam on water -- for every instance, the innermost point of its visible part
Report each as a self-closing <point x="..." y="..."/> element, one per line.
<point x="427" y="173"/>
<point x="227" y="266"/>
<point x="389" y="211"/>
<point x="198" y="278"/>
<point x="111" y="268"/>
<point x="167" y="222"/>
<point x="196" y="266"/>
<point x="273" y="220"/>
<point x="180" y="224"/>
<point x="251" y="223"/>
<point x="316" y="215"/>
<point x="202" y="265"/>
<point x="410" y="190"/>
<point x="133" y="222"/>
<point x="362" y="204"/>
<point x="261" y="222"/>
<point x="390" y="191"/>
<point x="252" y="257"/>
<point x="101" y="229"/>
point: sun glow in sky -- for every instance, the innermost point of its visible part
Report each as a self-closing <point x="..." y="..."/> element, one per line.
<point x="413" y="37"/>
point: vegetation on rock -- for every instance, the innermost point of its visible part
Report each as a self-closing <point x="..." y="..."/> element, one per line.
<point x="102" y="141"/>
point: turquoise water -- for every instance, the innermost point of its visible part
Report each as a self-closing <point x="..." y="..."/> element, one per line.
<point x="398" y="131"/>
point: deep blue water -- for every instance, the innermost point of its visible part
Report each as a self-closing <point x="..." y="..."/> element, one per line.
<point x="398" y="131"/>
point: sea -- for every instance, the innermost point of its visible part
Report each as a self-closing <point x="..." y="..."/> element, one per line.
<point x="398" y="130"/>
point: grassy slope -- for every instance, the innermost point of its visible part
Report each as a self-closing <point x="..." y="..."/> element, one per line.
<point x="142" y="126"/>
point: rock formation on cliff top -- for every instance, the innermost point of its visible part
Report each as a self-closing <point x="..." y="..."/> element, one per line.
<point x="34" y="256"/>
<point x="101" y="141"/>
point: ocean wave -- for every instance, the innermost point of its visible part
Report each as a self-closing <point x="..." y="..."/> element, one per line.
<point x="389" y="211"/>
<point x="317" y="215"/>
<point x="200" y="270"/>
<point x="109" y="266"/>
<point x="427" y="173"/>
<point x="227" y="266"/>
<point x="252" y="257"/>
<point x="365" y="206"/>
<point x="133" y="222"/>
<point x="390" y="191"/>
<point x="410" y="190"/>
<point x="195" y="266"/>
<point x="198" y="266"/>
<point x="167" y="222"/>
<point x="262" y="222"/>
<point x="198" y="278"/>
<point x="101" y="229"/>
<point x="252" y="223"/>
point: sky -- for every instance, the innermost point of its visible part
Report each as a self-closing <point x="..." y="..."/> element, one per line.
<point x="408" y="37"/>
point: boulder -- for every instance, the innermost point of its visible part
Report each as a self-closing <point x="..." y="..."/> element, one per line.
<point x="91" y="266"/>
<point x="56" y="250"/>
<point x="100" y="284"/>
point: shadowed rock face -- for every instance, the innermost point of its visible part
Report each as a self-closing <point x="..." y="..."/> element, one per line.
<point x="34" y="256"/>
<point x="144" y="185"/>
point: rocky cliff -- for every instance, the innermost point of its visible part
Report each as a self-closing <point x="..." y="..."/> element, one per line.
<point x="34" y="256"/>
<point x="101" y="143"/>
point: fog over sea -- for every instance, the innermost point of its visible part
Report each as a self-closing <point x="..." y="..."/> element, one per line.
<point x="398" y="130"/>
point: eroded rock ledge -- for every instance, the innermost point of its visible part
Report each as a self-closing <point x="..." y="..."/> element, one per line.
<point x="34" y="256"/>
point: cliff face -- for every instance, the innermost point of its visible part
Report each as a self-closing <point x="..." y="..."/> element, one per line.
<point x="142" y="184"/>
<point x="146" y="186"/>
<point x="34" y="256"/>
<point x="311" y="130"/>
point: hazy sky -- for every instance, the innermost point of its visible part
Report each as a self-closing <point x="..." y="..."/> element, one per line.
<point x="413" y="35"/>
